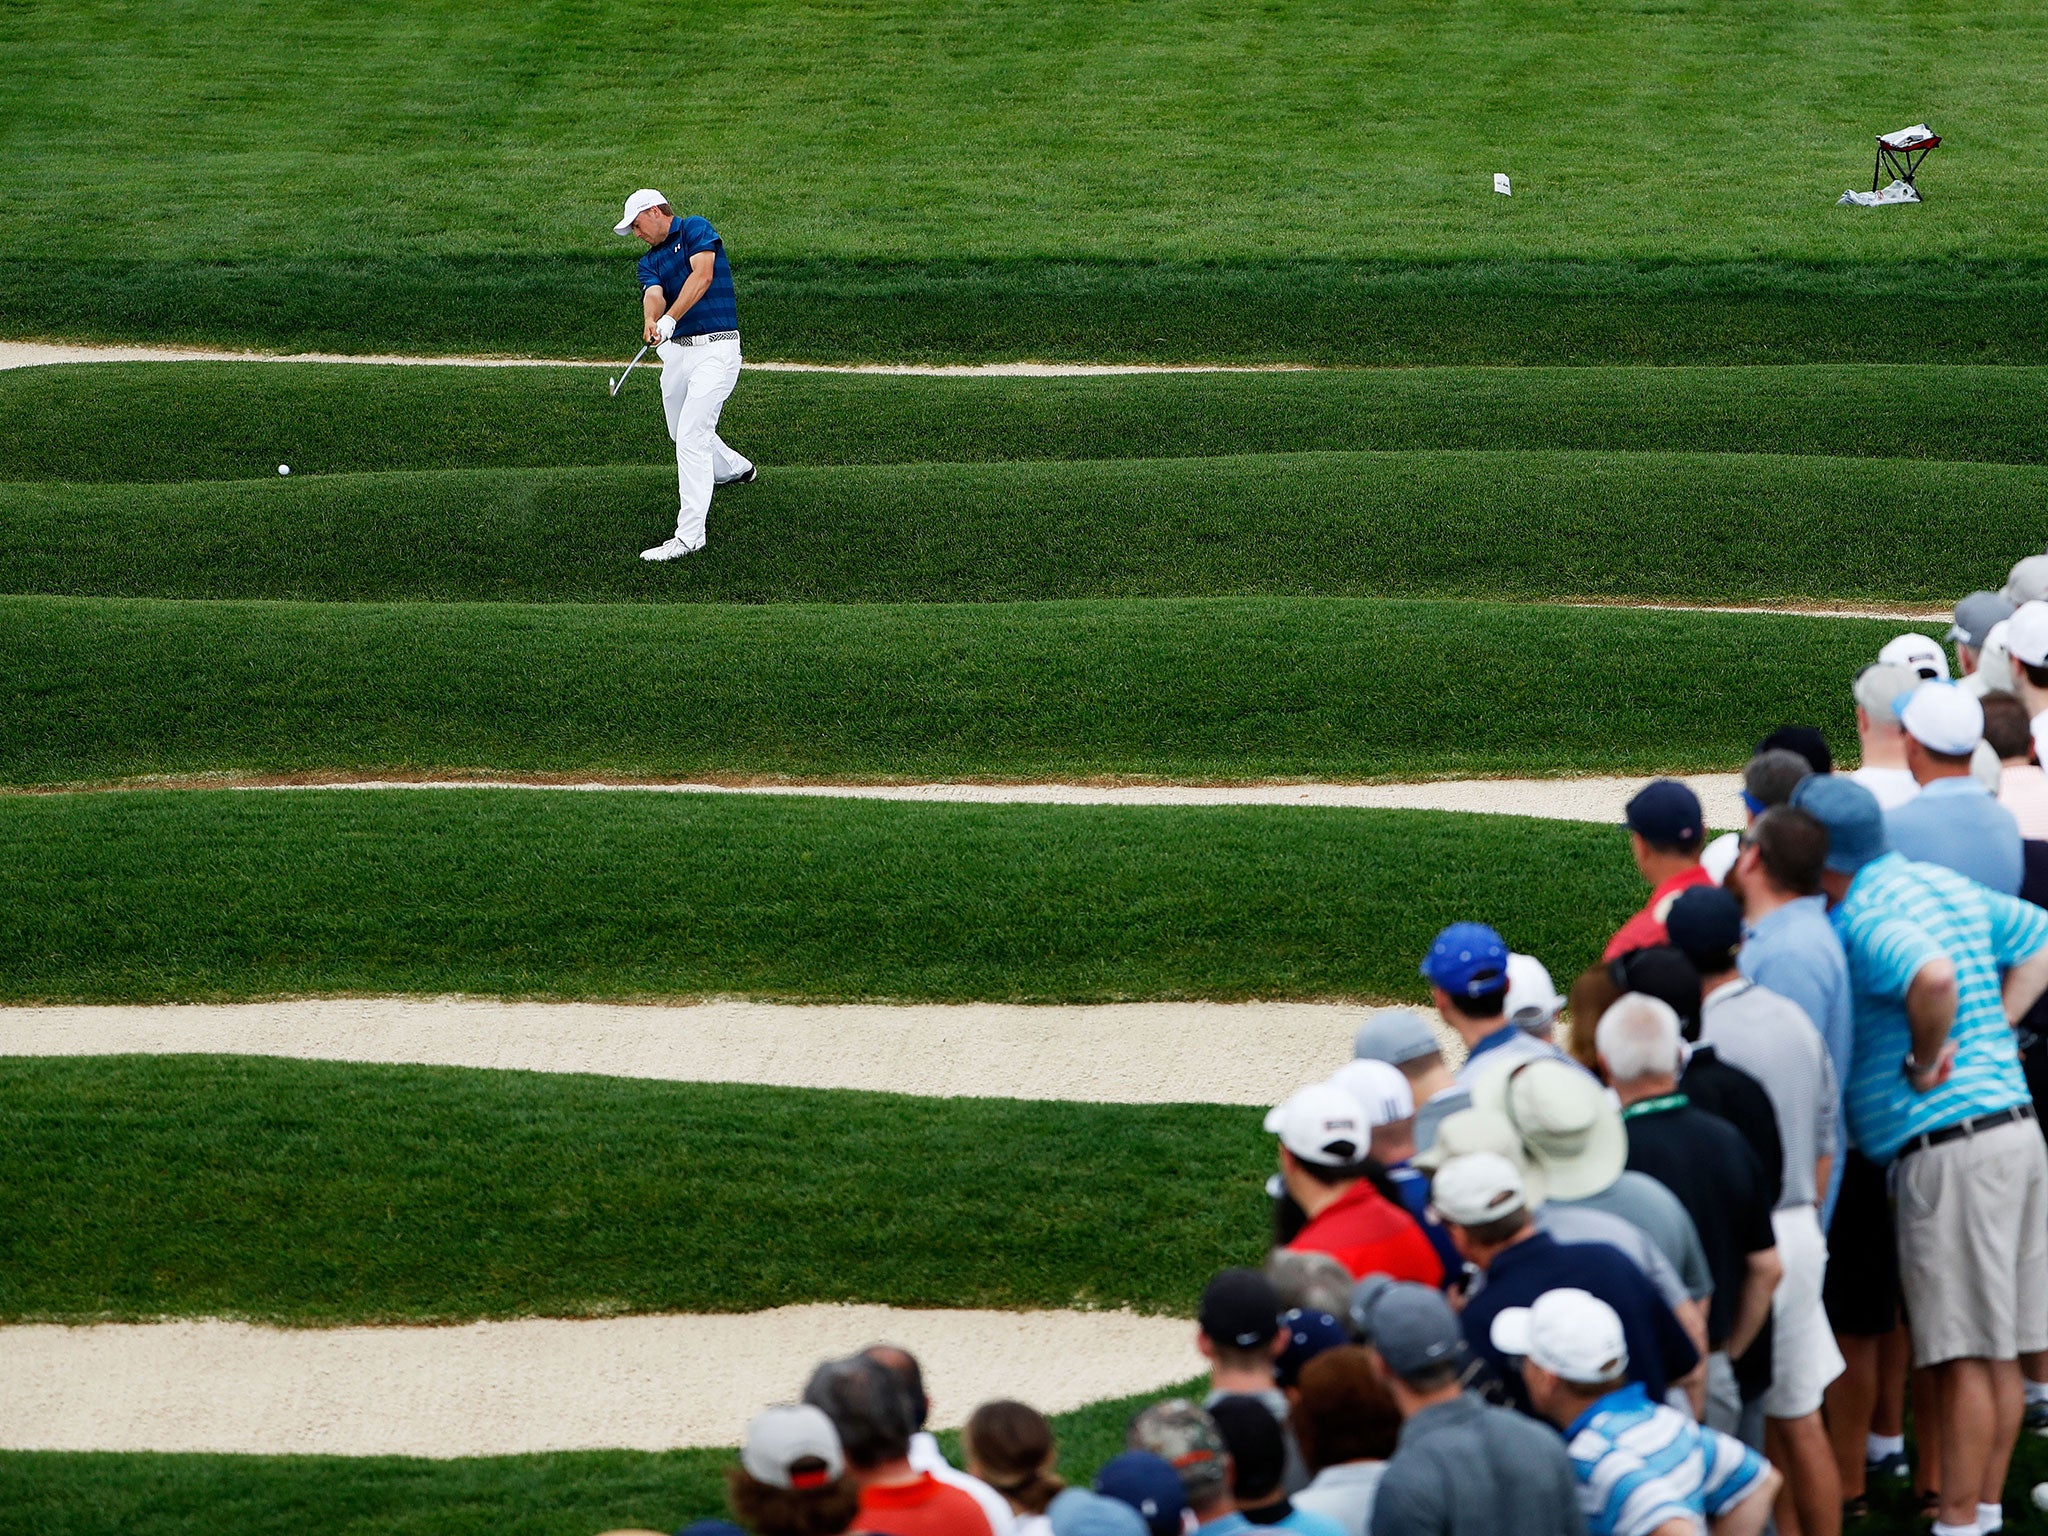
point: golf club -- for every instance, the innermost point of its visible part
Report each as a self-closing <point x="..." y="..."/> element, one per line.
<point x="620" y="381"/>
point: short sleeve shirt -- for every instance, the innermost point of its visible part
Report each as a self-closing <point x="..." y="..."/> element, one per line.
<point x="667" y="267"/>
<point x="1897" y="916"/>
<point x="1641" y="1463"/>
<point x="1646" y="928"/>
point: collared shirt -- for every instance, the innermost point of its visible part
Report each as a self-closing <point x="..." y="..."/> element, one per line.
<point x="1892" y="786"/>
<point x="923" y="1507"/>
<point x="1641" y="1463"/>
<point x="1771" y="1039"/>
<point x="1896" y="917"/>
<point x="1508" y="1046"/>
<point x="1584" y="1224"/>
<point x="925" y="1456"/>
<point x="1955" y="823"/>
<point x="667" y="267"/>
<point x="2023" y="790"/>
<point x="1640" y="1199"/>
<point x="1342" y="1496"/>
<point x="1465" y="1468"/>
<point x="1370" y="1235"/>
<point x="1646" y="928"/>
<point x="1796" y="952"/>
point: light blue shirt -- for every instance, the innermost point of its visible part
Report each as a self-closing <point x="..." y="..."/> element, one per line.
<point x="1897" y="916"/>
<point x="1959" y="824"/>
<point x="1640" y="1464"/>
<point x="1797" y="954"/>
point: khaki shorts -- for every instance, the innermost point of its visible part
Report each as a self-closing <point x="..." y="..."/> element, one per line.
<point x="1804" y="1356"/>
<point x="1973" y="1245"/>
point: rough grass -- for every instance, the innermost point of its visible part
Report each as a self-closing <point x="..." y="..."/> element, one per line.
<point x="1702" y="528"/>
<point x="234" y="894"/>
<point x="1191" y="689"/>
<point x="317" y="1193"/>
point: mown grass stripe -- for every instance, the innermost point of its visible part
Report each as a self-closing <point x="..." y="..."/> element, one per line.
<point x="149" y="422"/>
<point x="1202" y="690"/>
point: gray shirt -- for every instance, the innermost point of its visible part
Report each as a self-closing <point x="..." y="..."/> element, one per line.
<point x="1585" y="1224"/>
<point x="1464" y="1468"/>
<point x="1770" y="1037"/>
<point x="1640" y="1200"/>
<point x="1344" y="1493"/>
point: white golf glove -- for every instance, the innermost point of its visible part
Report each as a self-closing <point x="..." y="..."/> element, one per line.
<point x="665" y="327"/>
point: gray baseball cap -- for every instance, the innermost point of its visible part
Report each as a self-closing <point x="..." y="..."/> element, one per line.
<point x="1975" y="615"/>
<point x="1394" y="1035"/>
<point x="2027" y="582"/>
<point x="1412" y="1327"/>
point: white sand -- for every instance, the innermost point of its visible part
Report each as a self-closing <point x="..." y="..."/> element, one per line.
<point x="493" y="1389"/>
<point x="1122" y="1053"/>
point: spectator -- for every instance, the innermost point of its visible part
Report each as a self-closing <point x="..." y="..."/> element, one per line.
<point x="1259" y="1447"/>
<point x="1347" y="1425"/>
<point x="1769" y="778"/>
<point x="1995" y="672"/>
<point x="1481" y="1198"/>
<point x="1532" y="1002"/>
<point x="1403" y="1039"/>
<point x="1323" y="1167"/>
<point x="1188" y="1438"/>
<point x="1953" y="821"/>
<point x="1918" y="654"/>
<point x="1238" y="1332"/>
<point x="1769" y="1037"/>
<point x="1148" y="1485"/>
<point x="1642" y="1468"/>
<point x="1009" y="1447"/>
<point x="925" y="1455"/>
<point x="1311" y="1282"/>
<point x="1309" y="1334"/>
<point x="1572" y="1134"/>
<point x="791" y="1480"/>
<point x="1467" y="971"/>
<point x="1593" y="993"/>
<point x="1806" y="741"/>
<point x="1883" y="771"/>
<point x="2026" y="642"/>
<point x="1666" y="830"/>
<point x="1704" y="1161"/>
<point x="1460" y="1467"/>
<point x="1383" y="1093"/>
<point x="876" y="1417"/>
<point x="1976" y="616"/>
<point x="1938" y="965"/>
<point x="2022" y="784"/>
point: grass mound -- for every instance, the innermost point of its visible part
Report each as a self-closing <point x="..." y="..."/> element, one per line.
<point x="1194" y="689"/>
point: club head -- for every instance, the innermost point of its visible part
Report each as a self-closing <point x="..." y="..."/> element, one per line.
<point x="615" y="387"/>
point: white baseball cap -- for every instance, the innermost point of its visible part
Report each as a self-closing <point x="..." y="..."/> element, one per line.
<point x="1942" y="718"/>
<point x="1479" y="1187"/>
<point x="1466" y="1131"/>
<point x="636" y="205"/>
<point x="1917" y="653"/>
<point x="1381" y="1090"/>
<point x="1532" y="1000"/>
<point x="1322" y="1124"/>
<point x="781" y="1440"/>
<point x="2026" y="634"/>
<point x="1569" y="1332"/>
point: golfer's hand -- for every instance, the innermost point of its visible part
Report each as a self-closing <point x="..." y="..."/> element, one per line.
<point x="663" y="328"/>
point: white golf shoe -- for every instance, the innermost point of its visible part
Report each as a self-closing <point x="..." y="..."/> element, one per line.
<point x="670" y="549"/>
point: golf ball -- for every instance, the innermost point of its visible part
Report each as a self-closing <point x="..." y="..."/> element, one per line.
<point x="2041" y="1496"/>
<point x="284" y="469"/>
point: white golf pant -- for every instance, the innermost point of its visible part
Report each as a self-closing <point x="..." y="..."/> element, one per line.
<point x="694" y="384"/>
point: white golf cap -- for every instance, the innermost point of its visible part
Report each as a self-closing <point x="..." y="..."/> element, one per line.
<point x="636" y="205"/>
<point x="1382" y="1091"/>
<point x="1569" y="1332"/>
<point x="2027" y="582"/>
<point x="1918" y="653"/>
<point x="1321" y="1124"/>
<point x="1942" y="718"/>
<point x="1532" y="1000"/>
<point x="781" y="1442"/>
<point x="2026" y="635"/>
<point x="1479" y="1187"/>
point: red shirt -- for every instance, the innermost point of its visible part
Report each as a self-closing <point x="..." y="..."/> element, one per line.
<point x="926" y="1507"/>
<point x="1369" y="1236"/>
<point x="1646" y="928"/>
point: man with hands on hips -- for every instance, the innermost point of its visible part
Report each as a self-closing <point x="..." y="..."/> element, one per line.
<point x="691" y="316"/>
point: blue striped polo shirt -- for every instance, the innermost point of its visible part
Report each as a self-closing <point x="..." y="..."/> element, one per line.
<point x="1641" y="1463"/>
<point x="1897" y="916"/>
<point x="667" y="267"/>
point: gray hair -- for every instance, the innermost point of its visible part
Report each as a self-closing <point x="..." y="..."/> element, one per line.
<point x="1638" y="1038"/>
<point x="868" y="1405"/>
<point x="1772" y="775"/>
<point x="1314" y="1282"/>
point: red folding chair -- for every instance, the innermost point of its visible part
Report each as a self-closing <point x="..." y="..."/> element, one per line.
<point x="1901" y="154"/>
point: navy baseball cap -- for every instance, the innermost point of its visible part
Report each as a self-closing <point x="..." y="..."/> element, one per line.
<point x="1308" y="1335"/>
<point x="1806" y="741"/>
<point x="1664" y="813"/>
<point x="1468" y="960"/>
<point x="1240" y="1309"/>
<point x="1704" y="923"/>
<point x="1854" y="820"/>
<point x="1148" y="1484"/>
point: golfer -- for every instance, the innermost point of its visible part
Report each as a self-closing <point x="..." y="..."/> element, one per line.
<point x="686" y="296"/>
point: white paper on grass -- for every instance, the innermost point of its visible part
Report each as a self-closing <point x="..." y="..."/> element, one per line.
<point x="1907" y="138"/>
<point x="1897" y="192"/>
<point x="1500" y="184"/>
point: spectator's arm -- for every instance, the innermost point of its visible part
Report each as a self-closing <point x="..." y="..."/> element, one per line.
<point x="1754" y="1308"/>
<point x="1753" y="1512"/>
<point x="1931" y="1014"/>
<point x="2024" y="984"/>
<point x="1678" y="1525"/>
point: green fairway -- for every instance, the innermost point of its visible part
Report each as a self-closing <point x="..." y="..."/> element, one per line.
<point x="566" y="1494"/>
<point x="319" y="1193"/>
<point x="1196" y="689"/>
<point x="160" y="422"/>
<point x="1703" y="528"/>
<point x="227" y="894"/>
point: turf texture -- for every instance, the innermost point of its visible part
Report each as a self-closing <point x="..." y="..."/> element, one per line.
<point x="1702" y="528"/>
<point x="1228" y="689"/>
<point x="224" y="894"/>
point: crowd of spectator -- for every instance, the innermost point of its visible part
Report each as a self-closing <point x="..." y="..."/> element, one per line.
<point x="1674" y="1266"/>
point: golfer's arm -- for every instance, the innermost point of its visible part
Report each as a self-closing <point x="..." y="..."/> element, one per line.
<point x="1755" y="1306"/>
<point x="695" y="285"/>
<point x="1931" y="1008"/>
<point x="651" y="305"/>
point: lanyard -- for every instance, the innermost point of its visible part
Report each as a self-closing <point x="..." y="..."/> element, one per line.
<point x="1654" y="1106"/>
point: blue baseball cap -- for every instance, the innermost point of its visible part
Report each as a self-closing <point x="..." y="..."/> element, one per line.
<point x="1665" y="813"/>
<point x="1468" y="960"/>
<point x="1149" y="1485"/>
<point x="1077" y="1512"/>
<point x="1854" y="819"/>
<point x="1308" y="1335"/>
